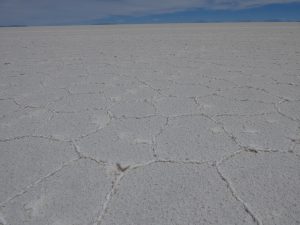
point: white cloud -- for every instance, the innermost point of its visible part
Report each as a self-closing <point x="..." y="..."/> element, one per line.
<point x="64" y="11"/>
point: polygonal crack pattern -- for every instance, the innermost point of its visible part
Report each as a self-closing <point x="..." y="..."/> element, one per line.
<point x="166" y="193"/>
<point x="181" y="124"/>
<point x="269" y="183"/>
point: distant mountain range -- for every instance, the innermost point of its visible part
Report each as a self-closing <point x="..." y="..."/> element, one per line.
<point x="163" y="22"/>
<point x="15" y="25"/>
<point x="199" y="21"/>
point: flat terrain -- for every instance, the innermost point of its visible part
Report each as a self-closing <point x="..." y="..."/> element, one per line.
<point x="184" y="124"/>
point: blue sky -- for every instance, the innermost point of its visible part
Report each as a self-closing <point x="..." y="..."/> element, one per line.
<point x="60" y="12"/>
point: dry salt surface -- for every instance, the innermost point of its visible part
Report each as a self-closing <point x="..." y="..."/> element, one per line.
<point x="184" y="124"/>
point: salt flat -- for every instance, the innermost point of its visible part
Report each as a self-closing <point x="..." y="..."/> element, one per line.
<point x="150" y="124"/>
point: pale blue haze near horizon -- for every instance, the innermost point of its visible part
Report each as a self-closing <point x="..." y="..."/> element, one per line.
<point x="73" y="12"/>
